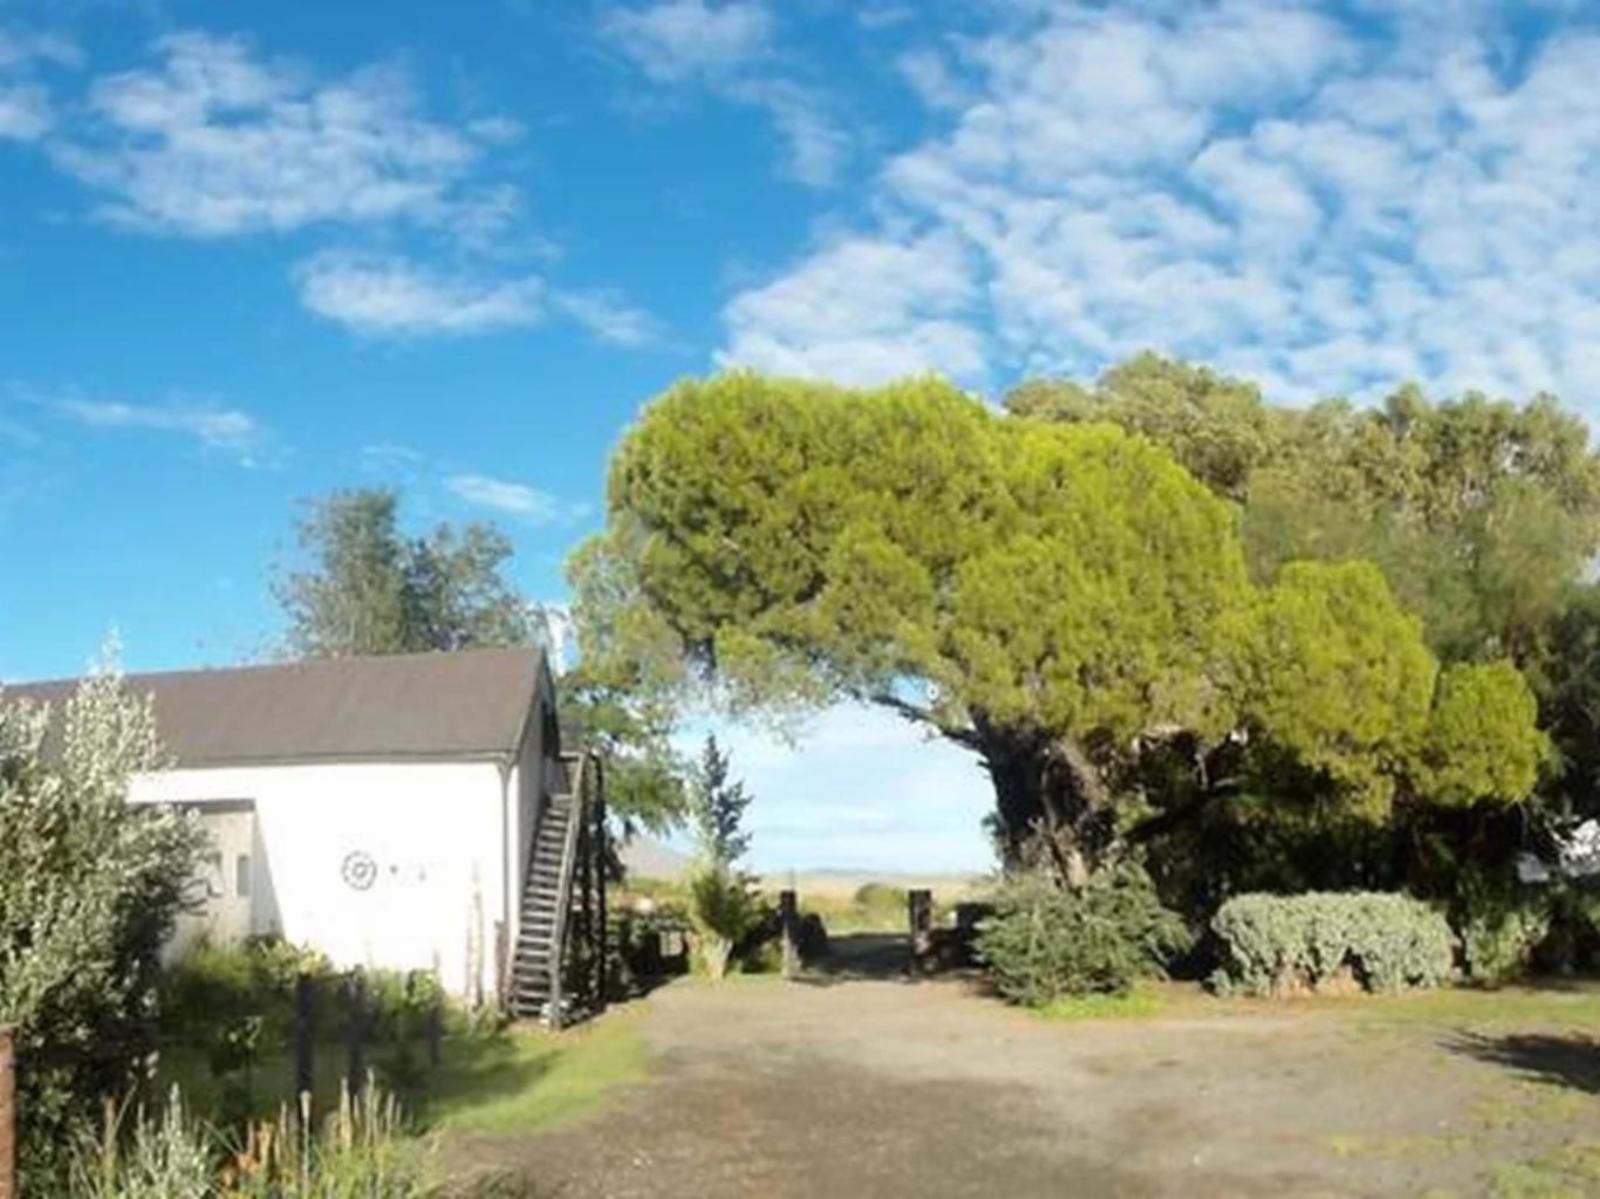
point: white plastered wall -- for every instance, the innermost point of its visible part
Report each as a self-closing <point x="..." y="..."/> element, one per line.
<point x="428" y="835"/>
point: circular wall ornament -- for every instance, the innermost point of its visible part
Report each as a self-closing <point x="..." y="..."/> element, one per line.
<point x="359" y="870"/>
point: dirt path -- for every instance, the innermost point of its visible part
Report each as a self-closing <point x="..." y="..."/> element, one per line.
<point x="868" y="1087"/>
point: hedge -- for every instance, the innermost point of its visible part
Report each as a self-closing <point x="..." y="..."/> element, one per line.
<point x="1284" y="944"/>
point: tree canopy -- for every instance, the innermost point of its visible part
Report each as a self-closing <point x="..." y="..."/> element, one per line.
<point x="1062" y="597"/>
<point x="1481" y="512"/>
<point x="368" y="588"/>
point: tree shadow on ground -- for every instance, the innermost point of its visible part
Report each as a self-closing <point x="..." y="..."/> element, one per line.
<point x="1569" y="1060"/>
<point x="862" y="957"/>
<point x="479" y="1070"/>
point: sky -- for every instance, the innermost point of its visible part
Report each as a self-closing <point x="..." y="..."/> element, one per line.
<point x="253" y="252"/>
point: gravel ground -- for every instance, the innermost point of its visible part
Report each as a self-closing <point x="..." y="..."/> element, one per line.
<point x="861" y="1083"/>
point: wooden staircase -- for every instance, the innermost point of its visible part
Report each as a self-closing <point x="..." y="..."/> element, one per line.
<point x="558" y="971"/>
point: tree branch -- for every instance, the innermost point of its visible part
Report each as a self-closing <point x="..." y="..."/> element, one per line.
<point x="920" y="715"/>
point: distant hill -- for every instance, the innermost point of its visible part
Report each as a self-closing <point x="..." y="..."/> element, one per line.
<point x="645" y="857"/>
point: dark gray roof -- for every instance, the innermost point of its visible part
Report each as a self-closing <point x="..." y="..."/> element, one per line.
<point x="470" y="704"/>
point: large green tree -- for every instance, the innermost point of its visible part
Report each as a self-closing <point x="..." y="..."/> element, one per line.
<point x="1062" y="598"/>
<point x="366" y="587"/>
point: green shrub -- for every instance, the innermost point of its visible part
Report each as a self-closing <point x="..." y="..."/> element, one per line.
<point x="1283" y="944"/>
<point x="1045" y="942"/>
<point x="214" y="985"/>
<point x="1501" y="924"/>
<point x="722" y="909"/>
<point x="363" y="1149"/>
<point x="399" y="1003"/>
<point x="882" y="897"/>
<point x="89" y="888"/>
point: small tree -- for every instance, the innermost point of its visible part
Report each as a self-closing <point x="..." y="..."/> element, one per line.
<point x="89" y="888"/>
<point x="722" y="907"/>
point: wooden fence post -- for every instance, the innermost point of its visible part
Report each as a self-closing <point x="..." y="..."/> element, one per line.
<point x="436" y="1032"/>
<point x="8" y="1112"/>
<point x="919" y="901"/>
<point x="305" y="1032"/>
<point x="789" y="924"/>
<point x="357" y="1031"/>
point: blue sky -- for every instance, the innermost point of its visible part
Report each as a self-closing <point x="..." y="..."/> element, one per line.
<point x="252" y="252"/>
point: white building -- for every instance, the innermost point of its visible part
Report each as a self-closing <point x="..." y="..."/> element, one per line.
<point x="380" y="809"/>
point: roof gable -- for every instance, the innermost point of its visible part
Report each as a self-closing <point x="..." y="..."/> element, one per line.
<point x="468" y="704"/>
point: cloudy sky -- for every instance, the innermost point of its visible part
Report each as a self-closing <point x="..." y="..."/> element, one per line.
<point x="249" y="253"/>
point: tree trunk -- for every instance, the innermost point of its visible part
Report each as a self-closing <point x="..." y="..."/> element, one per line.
<point x="1052" y="804"/>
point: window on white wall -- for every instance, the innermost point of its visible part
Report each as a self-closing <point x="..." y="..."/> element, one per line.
<point x="241" y="876"/>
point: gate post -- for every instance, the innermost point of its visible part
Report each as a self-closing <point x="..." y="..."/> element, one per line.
<point x="919" y="901"/>
<point x="789" y="925"/>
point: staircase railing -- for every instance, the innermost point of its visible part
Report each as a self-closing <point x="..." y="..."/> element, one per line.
<point x="569" y="860"/>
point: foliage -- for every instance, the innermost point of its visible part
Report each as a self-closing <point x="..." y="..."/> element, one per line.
<point x="1500" y="932"/>
<point x="1483" y="739"/>
<point x="718" y="808"/>
<point x="368" y="588"/>
<point x="1570" y="701"/>
<point x="791" y="543"/>
<point x="362" y="1150"/>
<point x="234" y="1006"/>
<point x="722" y="909"/>
<point x="1480" y="512"/>
<point x="222" y="983"/>
<point x="1045" y="942"/>
<point x="1278" y="945"/>
<point x="723" y="904"/>
<point x="880" y="904"/>
<point x="1219" y="428"/>
<point x="623" y="696"/>
<point x="89" y="888"/>
<point x="1341" y="679"/>
<point x="1060" y="597"/>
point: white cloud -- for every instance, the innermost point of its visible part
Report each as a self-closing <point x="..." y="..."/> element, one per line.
<point x="26" y="111"/>
<point x="226" y="429"/>
<point x="610" y="318"/>
<point x="815" y="148"/>
<point x="728" y="48"/>
<point x="863" y="311"/>
<point x="1331" y="205"/>
<point x="674" y="40"/>
<point x="392" y="296"/>
<point x="215" y="141"/>
<point x="509" y="499"/>
<point x="388" y="295"/>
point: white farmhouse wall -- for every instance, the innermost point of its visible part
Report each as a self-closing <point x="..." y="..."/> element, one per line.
<point x="435" y="833"/>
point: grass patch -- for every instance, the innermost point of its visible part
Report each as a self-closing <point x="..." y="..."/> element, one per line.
<point x="1398" y="1148"/>
<point x="521" y="1079"/>
<point x="527" y="1080"/>
<point x="1140" y="1002"/>
<point x="1572" y="1170"/>
<point x="1575" y="1005"/>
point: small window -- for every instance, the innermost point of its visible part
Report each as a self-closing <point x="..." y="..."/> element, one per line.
<point x="241" y="876"/>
